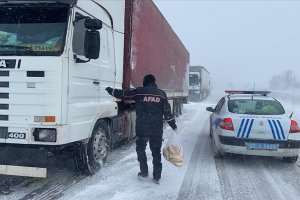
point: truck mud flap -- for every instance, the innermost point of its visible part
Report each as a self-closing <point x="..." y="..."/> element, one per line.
<point x="23" y="162"/>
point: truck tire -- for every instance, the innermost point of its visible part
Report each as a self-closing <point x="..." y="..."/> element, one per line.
<point x="90" y="156"/>
<point x="200" y="97"/>
<point x="292" y="159"/>
<point x="180" y="108"/>
<point x="175" y="108"/>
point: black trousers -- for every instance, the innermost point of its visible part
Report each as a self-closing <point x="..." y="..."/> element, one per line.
<point x="155" y="147"/>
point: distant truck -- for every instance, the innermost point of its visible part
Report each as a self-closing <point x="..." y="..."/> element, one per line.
<point x="56" y="59"/>
<point x="199" y="83"/>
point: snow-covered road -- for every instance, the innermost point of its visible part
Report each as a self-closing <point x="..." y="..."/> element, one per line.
<point x="201" y="177"/>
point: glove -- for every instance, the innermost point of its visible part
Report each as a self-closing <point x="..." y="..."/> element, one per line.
<point x="109" y="90"/>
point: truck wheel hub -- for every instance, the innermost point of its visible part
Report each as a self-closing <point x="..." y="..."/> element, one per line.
<point x="100" y="147"/>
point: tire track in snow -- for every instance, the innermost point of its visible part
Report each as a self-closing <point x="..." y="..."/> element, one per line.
<point x="62" y="176"/>
<point x="237" y="180"/>
<point x="253" y="177"/>
<point x="200" y="180"/>
<point x="285" y="176"/>
<point x="55" y="191"/>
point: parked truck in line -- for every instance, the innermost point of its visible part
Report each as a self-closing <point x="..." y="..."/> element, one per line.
<point x="56" y="59"/>
<point x="199" y="83"/>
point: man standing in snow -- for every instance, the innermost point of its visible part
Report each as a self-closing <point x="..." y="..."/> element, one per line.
<point x="151" y="105"/>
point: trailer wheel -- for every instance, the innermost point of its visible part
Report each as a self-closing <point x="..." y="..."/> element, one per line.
<point x="180" y="108"/>
<point x="175" y="109"/>
<point x="89" y="157"/>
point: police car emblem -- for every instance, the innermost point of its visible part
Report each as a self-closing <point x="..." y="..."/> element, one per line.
<point x="261" y="123"/>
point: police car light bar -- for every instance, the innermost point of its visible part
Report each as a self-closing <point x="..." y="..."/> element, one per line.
<point x="263" y="93"/>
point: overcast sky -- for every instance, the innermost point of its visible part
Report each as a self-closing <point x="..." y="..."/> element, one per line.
<point x="242" y="42"/>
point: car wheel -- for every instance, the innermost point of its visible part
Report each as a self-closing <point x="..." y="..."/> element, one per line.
<point x="292" y="159"/>
<point x="216" y="151"/>
<point x="89" y="157"/>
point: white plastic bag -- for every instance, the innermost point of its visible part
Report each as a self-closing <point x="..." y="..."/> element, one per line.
<point x="173" y="151"/>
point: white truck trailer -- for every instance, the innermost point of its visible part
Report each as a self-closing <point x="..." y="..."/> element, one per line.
<point x="56" y="59"/>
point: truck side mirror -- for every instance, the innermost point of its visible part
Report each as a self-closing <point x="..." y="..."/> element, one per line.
<point x="93" y="24"/>
<point x="92" y="38"/>
<point x="92" y="44"/>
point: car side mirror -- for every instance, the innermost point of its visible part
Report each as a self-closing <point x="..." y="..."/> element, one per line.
<point x="210" y="109"/>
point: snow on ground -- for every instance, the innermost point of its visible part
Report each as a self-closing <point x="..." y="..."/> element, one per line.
<point x="121" y="181"/>
<point x="201" y="176"/>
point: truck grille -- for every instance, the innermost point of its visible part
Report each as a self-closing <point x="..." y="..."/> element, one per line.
<point x="4" y="84"/>
<point x="3" y="132"/>
<point x="4" y="106"/>
<point x="4" y="73"/>
<point x="4" y="96"/>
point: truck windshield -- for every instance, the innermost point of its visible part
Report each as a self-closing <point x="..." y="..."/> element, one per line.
<point x="33" y="29"/>
<point x="194" y="79"/>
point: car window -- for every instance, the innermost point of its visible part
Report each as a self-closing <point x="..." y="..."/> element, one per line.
<point x="219" y="105"/>
<point x="255" y="107"/>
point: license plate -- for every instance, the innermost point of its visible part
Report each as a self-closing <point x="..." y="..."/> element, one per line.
<point x="262" y="146"/>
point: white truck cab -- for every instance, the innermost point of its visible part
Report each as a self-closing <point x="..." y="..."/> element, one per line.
<point x="56" y="59"/>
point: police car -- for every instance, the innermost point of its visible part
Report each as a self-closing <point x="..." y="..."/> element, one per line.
<point x="253" y="123"/>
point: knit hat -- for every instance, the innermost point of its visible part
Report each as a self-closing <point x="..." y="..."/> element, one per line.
<point x="148" y="80"/>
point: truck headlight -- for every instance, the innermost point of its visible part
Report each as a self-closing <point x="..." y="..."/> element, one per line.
<point x="45" y="134"/>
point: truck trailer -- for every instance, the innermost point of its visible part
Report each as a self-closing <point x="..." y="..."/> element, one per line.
<point x="199" y="83"/>
<point x="56" y="59"/>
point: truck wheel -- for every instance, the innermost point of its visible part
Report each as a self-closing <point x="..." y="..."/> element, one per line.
<point x="200" y="96"/>
<point x="91" y="156"/>
<point x="180" y="108"/>
<point x="292" y="159"/>
<point x="175" y="109"/>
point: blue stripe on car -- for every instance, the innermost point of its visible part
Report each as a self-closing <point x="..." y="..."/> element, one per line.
<point x="249" y="130"/>
<point x="245" y="128"/>
<point x="217" y="122"/>
<point x="281" y="129"/>
<point x="241" y="126"/>
<point x="276" y="128"/>
<point x="274" y="137"/>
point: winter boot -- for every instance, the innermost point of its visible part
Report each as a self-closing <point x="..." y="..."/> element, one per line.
<point x="156" y="181"/>
<point x="143" y="175"/>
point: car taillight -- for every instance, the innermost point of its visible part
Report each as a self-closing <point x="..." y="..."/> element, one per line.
<point x="294" y="127"/>
<point x="226" y="124"/>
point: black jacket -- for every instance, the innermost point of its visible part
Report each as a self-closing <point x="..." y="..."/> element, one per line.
<point x="152" y="107"/>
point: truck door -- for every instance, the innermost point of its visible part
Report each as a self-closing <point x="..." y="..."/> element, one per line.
<point x="84" y="78"/>
<point x="87" y="81"/>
